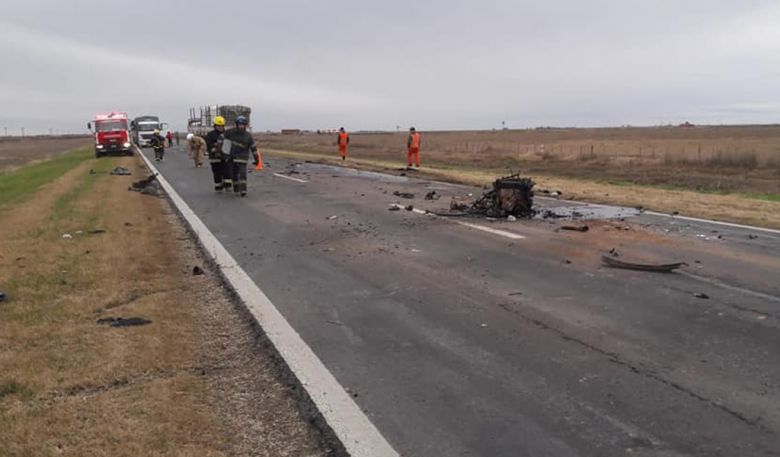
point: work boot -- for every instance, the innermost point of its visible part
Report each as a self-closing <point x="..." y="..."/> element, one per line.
<point x="218" y="187"/>
<point x="243" y="194"/>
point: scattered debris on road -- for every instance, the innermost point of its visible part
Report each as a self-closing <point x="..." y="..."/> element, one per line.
<point x="458" y="206"/>
<point x="575" y="228"/>
<point x="120" y="171"/>
<point x="752" y="237"/>
<point x="123" y="321"/>
<point x="703" y="296"/>
<point x="658" y="268"/>
<point x="432" y="195"/>
<point x="409" y="208"/>
<point x="96" y="231"/>
<point x="403" y="194"/>
<point x="512" y="294"/>
<point x="394" y="208"/>
<point x="330" y="218"/>
<point x="67" y="236"/>
<point x="197" y="271"/>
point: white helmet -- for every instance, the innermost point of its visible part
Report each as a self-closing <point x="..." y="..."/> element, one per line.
<point x="189" y="136"/>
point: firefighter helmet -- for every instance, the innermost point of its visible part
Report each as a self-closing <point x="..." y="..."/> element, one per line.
<point x="189" y="136"/>
<point x="220" y="121"/>
<point x="241" y="120"/>
<point x="156" y="131"/>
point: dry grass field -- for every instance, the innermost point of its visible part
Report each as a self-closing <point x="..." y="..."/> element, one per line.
<point x="723" y="159"/>
<point x="16" y="151"/>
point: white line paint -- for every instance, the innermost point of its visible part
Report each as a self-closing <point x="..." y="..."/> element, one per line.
<point x="355" y="431"/>
<point x="707" y="221"/>
<point x="504" y="233"/>
<point x="718" y="283"/>
<point x="290" y="178"/>
<point x="671" y="216"/>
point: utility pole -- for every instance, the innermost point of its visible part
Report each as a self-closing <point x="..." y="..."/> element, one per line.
<point x="6" y="131"/>
<point x="22" y="132"/>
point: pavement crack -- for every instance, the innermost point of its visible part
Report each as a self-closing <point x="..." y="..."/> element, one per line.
<point x="637" y="369"/>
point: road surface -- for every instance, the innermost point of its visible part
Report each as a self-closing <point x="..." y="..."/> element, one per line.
<point x="465" y="337"/>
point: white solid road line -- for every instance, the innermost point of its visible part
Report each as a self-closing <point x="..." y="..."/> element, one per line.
<point x="672" y="216"/>
<point x="355" y="431"/>
<point x="290" y="178"/>
<point x="504" y="233"/>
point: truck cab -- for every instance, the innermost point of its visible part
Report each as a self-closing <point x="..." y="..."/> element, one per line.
<point x="143" y="127"/>
<point x="112" y="134"/>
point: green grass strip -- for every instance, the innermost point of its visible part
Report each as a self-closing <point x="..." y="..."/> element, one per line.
<point x="18" y="184"/>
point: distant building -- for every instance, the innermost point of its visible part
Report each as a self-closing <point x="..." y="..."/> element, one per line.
<point x="291" y="131"/>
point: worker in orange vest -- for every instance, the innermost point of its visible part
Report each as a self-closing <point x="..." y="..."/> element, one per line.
<point x="342" y="141"/>
<point x="413" y="144"/>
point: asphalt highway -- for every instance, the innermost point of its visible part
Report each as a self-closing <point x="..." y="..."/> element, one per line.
<point x="468" y="337"/>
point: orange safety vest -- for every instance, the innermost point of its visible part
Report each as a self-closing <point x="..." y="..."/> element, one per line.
<point x="343" y="137"/>
<point x="415" y="144"/>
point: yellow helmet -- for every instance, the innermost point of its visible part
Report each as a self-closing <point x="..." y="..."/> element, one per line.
<point x="219" y="120"/>
<point x="156" y="131"/>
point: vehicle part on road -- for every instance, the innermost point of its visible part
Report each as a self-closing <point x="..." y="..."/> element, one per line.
<point x="67" y="236"/>
<point x="394" y="208"/>
<point x="701" y="295"/>
<point x="2" y="296"/>
<point x="511" y="195"/>
<point x="458" y="206"/>
<point x="409" y="208"/>
<point x="123" y="321"/>
<point x="147" y="186"/>
<point x="120" y="171"/>
<point x="432" y="195"/>
<point x="575" y="228"/>
<point x="659" y="268"/>
<point x="403" y="194"/>
<point x="96" y="231"/>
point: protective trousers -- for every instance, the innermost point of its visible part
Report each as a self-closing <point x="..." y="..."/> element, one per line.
<point x="197" y="156"/>
<point x="343" y="151"/>
<point x="239" y="175"/>
<point x="158" y="153"/>
<point x="413" y="156"/>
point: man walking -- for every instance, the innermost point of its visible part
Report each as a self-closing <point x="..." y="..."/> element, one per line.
<point x="218" y="160"/>
<point x="158" y="144"/>
<point x="177" y="135"/>
<point x="169" y="136"/>
<point x="241" y="145"/>
<point x="342" y="141"/>
<point x="197" y="149"/>
<point x="413" y="145"/>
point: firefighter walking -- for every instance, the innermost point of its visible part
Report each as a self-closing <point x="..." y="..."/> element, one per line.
<point x="342" y="141"/>
<point x="158" y="144"/>
<point x="413" y="147"/>
<point x="218" y="160"/>
<point x="241" y="145"/>
<point x="197" y="149"/>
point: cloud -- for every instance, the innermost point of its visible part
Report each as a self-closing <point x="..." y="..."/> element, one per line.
<point x="436" y="64"/>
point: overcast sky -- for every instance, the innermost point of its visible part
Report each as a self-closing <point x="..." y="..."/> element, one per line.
<point x="437" y="64"/>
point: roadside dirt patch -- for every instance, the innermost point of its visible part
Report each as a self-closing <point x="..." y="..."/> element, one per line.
<point x="196" y="380"/>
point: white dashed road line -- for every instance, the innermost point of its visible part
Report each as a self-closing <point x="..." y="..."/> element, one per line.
<point x="504" y="233"/>
<point x="290" y="178"/>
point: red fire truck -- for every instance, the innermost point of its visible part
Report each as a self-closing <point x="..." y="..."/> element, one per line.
<point x="112" y="134"/>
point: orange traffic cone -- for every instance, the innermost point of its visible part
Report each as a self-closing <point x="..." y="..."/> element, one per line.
<point x="259" y="161"/>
